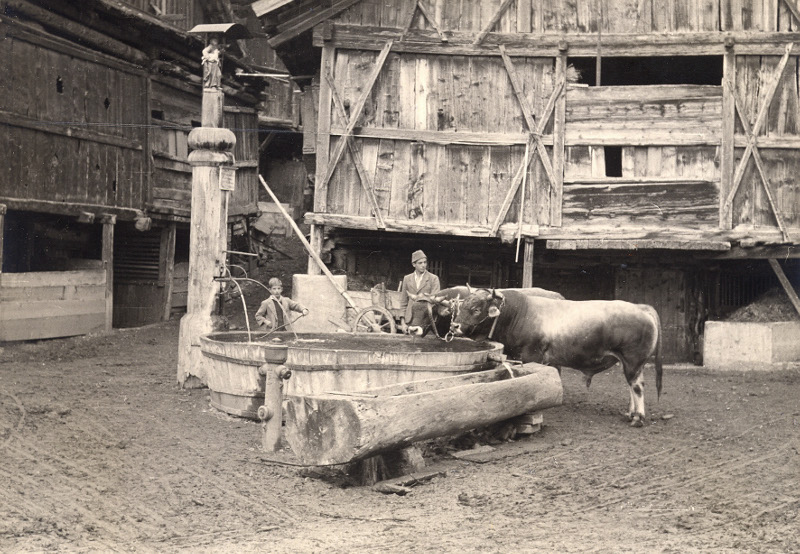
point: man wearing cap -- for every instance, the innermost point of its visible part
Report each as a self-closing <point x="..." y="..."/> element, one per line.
<point x="421" y="281"/>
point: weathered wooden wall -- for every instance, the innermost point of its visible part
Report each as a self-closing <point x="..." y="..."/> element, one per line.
<point x="441" y="137"/>
<point x="440" y="134"/>
<point x="71" y="123"/>
<point x="670" y="137"/>
<point x="583" y="16"/>
<point x="175" y="111"/>
<point x="778" y="140"/>
<point x="52" y="304"/>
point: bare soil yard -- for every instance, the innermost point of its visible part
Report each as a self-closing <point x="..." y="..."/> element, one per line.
<point x="101" y="451"/>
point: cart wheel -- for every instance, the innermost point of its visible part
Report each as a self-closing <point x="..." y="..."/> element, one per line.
<point x="374" y="320"/>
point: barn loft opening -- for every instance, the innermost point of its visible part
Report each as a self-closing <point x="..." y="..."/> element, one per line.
<point x="660" y="70"/>
<point x="613" y="156"/>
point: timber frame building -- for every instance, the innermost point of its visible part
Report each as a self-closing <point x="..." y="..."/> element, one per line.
<point x="96" y="102"/>
<point x="642" y="150"/>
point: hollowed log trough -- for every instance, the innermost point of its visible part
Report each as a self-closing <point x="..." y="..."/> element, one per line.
<point x="342" y="427"/>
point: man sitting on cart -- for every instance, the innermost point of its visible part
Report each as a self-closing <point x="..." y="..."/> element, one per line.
<point x="415" y="284"/>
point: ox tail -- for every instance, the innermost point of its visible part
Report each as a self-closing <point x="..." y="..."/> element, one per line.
<point x="658" y="363"/>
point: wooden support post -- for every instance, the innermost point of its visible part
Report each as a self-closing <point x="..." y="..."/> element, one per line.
<point x="324" y="129"/>
<point x="2" y="232"/>
<point x="785" y="283"/>
<point x="559" y="125"/>
<point x="316" y="244"/>
<point x="728" y="126"/>
<point x="108" y="222"/>
<point x="168" y="235"/>
<point x="527" y="264"/>
<point x="271" y="413"/>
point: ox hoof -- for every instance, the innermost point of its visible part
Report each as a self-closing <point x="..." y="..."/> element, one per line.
<point x="637" y="421"/>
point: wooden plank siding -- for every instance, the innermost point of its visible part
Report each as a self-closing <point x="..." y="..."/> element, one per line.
<point x="419" y="98"/>
<point x="178" y="111"/>
<point x="580" y="16"/>
<point x="71" y="105"/>
<point x="52" y="304"/>
<point x="777" y="142"/>
<point x="443" y="134"/>
<point x="669" y="137"/>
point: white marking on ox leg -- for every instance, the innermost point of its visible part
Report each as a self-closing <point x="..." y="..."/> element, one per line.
<point x="637" y="401"/>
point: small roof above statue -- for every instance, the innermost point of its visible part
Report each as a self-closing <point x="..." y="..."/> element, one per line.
<point x="233" y="31"/>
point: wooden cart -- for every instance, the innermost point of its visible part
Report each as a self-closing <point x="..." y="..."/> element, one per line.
<point x="382" y="315"/>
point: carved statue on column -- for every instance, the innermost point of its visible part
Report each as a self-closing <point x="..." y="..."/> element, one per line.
<point x="212" y="64"/>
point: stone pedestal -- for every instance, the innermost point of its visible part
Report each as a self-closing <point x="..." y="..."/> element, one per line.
<point x="318" y="294"/>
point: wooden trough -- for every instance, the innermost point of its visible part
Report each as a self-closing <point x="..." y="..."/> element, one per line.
<point x="342" y="427"/>
<point x="322" y="362"/>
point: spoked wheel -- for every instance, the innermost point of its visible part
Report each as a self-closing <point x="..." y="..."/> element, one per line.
<point x="374" y="320"/>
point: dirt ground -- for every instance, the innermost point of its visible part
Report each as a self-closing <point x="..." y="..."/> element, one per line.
<point x="102" y="451"/>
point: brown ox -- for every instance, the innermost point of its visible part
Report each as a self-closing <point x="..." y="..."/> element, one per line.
<point x="590" y="336"/>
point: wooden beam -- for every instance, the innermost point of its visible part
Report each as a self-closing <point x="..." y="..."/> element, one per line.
<point x="782" y="251"/>
<point x="527" y="264"/>
<point x="507" y="232"/>
<point x="462" y="43"/>
<point x="559" y="134"/>
<point x="727" y="148"/>
<point x="307" y="20"/>
<point x="440" y="137"/>
<point x="75" y="131"/>
<point x="366" y="182"/>
<point x="167" y="255"/>
<point x="79" y="32"/>
<point x="322" y="187"/>
<point x="785" y="283"/>
<point x="3" y="210"/>
<point x="315" y="239"/>
<point x="108" y="264"/>
<point x="323" y="130"/>
<point x="68" y="208"/>
<point x="643" y="244"/>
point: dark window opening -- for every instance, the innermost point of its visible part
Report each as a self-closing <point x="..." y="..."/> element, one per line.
<point x="157" y="114"/>
<point x="59" y="85"/>
<point x="666" y="70"/>
<point x="106" y="103"/>
<point x="613" y="156"/>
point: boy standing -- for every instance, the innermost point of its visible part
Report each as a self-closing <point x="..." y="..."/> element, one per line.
<point x="274" y="311"/>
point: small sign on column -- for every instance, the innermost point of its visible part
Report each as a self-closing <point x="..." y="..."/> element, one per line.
<point x="227" y="178"/>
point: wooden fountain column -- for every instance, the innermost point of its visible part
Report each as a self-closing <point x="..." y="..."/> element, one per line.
<point x="213" y="176"/>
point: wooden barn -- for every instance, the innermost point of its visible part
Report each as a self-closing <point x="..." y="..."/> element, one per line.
<point x="631" y="149"/>
<point x="96" y="103"/>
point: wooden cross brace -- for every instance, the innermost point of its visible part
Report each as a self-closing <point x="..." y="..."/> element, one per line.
<point x="418" y="5"/>
<point x="535" y="137"/>
<point x="752" y="142"/>
<point x="492" y="22"/>
<point x="364" y="179"/>
<point x="322" y="188"/>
